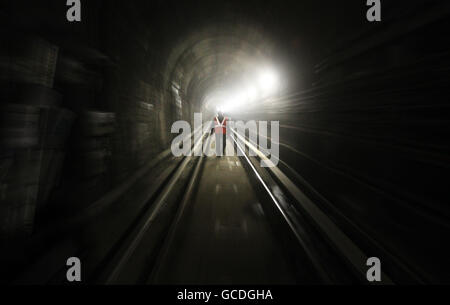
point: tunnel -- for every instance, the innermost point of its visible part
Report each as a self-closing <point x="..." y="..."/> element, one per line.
<point x="224" y="142"/>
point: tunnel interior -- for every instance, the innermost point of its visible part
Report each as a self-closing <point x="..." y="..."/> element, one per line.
<point x="86" y="115"/>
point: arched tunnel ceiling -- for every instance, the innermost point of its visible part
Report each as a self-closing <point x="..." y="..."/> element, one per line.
<point x="213" y="42"/>
<point x="216" y="58"/>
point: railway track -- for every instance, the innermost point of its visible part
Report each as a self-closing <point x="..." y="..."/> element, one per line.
<point x="220" y="228"/>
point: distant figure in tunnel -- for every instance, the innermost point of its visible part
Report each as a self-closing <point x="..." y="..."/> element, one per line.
<point x="220" y="129"/>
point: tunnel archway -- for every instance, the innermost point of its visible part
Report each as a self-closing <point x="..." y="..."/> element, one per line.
<point x="214" y="59"/>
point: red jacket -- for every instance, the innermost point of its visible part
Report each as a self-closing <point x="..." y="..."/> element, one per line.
<point x="220" y="127"/>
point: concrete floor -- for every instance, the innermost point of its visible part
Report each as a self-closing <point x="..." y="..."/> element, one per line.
<point x="225" y="237"/>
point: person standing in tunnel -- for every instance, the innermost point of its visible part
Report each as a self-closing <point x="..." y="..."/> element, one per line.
<point x="220" y="129"/>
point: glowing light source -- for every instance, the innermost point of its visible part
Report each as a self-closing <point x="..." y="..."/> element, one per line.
<point x="268" y="81"/>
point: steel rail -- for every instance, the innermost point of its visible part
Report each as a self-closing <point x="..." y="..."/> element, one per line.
<point x="353" y="255"/>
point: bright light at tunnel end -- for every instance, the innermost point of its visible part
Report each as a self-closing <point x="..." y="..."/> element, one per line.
<point x="264" y="84"/>
<point x="268" y="81"/>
